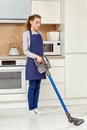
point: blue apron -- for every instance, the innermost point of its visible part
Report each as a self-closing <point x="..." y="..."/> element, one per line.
<point x="36" y="46"/>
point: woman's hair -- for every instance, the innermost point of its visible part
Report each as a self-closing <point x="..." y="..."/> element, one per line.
<point x="31" y="18"/>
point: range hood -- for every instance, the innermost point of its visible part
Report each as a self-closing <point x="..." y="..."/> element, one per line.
<point x="14" y="11"/>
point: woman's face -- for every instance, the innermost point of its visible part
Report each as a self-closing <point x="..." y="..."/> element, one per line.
<point x="35" y="24"/>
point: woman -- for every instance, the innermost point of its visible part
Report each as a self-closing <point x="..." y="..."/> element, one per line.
<point x="33" y="49"/>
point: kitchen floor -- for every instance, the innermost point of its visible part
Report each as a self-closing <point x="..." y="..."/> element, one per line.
<point x="53" y="118"/>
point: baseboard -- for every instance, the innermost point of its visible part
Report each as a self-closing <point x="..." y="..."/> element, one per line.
<point x="55" y="102"/>
<point x="43" y="103"/>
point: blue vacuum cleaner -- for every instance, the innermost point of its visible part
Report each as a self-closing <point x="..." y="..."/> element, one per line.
<point x="44" y="67"/>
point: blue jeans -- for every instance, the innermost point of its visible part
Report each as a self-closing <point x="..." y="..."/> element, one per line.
<point x="33" y="93"/>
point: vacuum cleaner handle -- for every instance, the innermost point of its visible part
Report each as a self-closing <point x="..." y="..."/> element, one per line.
<point x="44" y="66"/>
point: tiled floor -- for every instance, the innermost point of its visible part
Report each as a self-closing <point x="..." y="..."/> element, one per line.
<point x="53" y="118"/>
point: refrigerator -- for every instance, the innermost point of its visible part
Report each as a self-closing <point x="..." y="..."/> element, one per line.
<point x="75" y="29"/>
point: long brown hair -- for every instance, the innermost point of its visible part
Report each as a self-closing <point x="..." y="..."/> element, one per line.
<point x="32" y="17"/>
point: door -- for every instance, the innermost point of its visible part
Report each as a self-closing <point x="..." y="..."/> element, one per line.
<point x="76" y="76"/>
<point x="75" y="26"/>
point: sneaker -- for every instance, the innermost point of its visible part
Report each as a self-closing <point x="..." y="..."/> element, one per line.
<point x="37" y="112"/>
<point x="32" y="113"/>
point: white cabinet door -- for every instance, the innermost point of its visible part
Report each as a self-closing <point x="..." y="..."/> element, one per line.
<point x="37" y="8"/>
<point x="76" y="76"/>
<point x="75" y="26"/>
<point x="47" y="91"/>
<point x="52" y="12"/>
<point x="57" y="73"/>
<point x="49" y="10"/>
<point x="57" y="69"/>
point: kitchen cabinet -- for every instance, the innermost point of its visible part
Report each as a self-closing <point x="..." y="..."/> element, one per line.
<point x="76" y="76"/>
<point x="14" y="11"/>
<point x="57" y="72"/>
<point x="50" y="13"/>
<point x="49" y="10"/>
<point x="75" y="26"/>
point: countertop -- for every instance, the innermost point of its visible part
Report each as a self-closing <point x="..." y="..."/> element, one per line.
<point x="24" y="57"/>
<point x="12" y="57"/>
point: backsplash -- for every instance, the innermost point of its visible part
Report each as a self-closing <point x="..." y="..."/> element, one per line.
<point x="12" y="33"/>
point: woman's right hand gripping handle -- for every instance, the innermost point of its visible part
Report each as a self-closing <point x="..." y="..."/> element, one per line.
<point x="39" y="59"/>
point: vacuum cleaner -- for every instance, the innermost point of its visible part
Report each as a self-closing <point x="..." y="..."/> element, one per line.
<point x="44" y="67"/>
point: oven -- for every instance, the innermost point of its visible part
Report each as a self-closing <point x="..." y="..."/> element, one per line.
<point x="12" y="76"/>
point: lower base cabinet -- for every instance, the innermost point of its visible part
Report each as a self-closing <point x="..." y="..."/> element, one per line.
<point x="57" y="73"/>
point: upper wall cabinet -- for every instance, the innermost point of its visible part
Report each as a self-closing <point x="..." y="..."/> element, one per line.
<point x="76" y="26"/>
<point x="49" y="10"/>
<point x="12" y="11"/>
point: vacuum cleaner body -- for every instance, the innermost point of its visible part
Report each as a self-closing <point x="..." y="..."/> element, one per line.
<point x="44" y="67"/>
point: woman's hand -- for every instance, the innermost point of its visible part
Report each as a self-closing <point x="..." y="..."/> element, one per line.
<point x="39" y="59"/>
